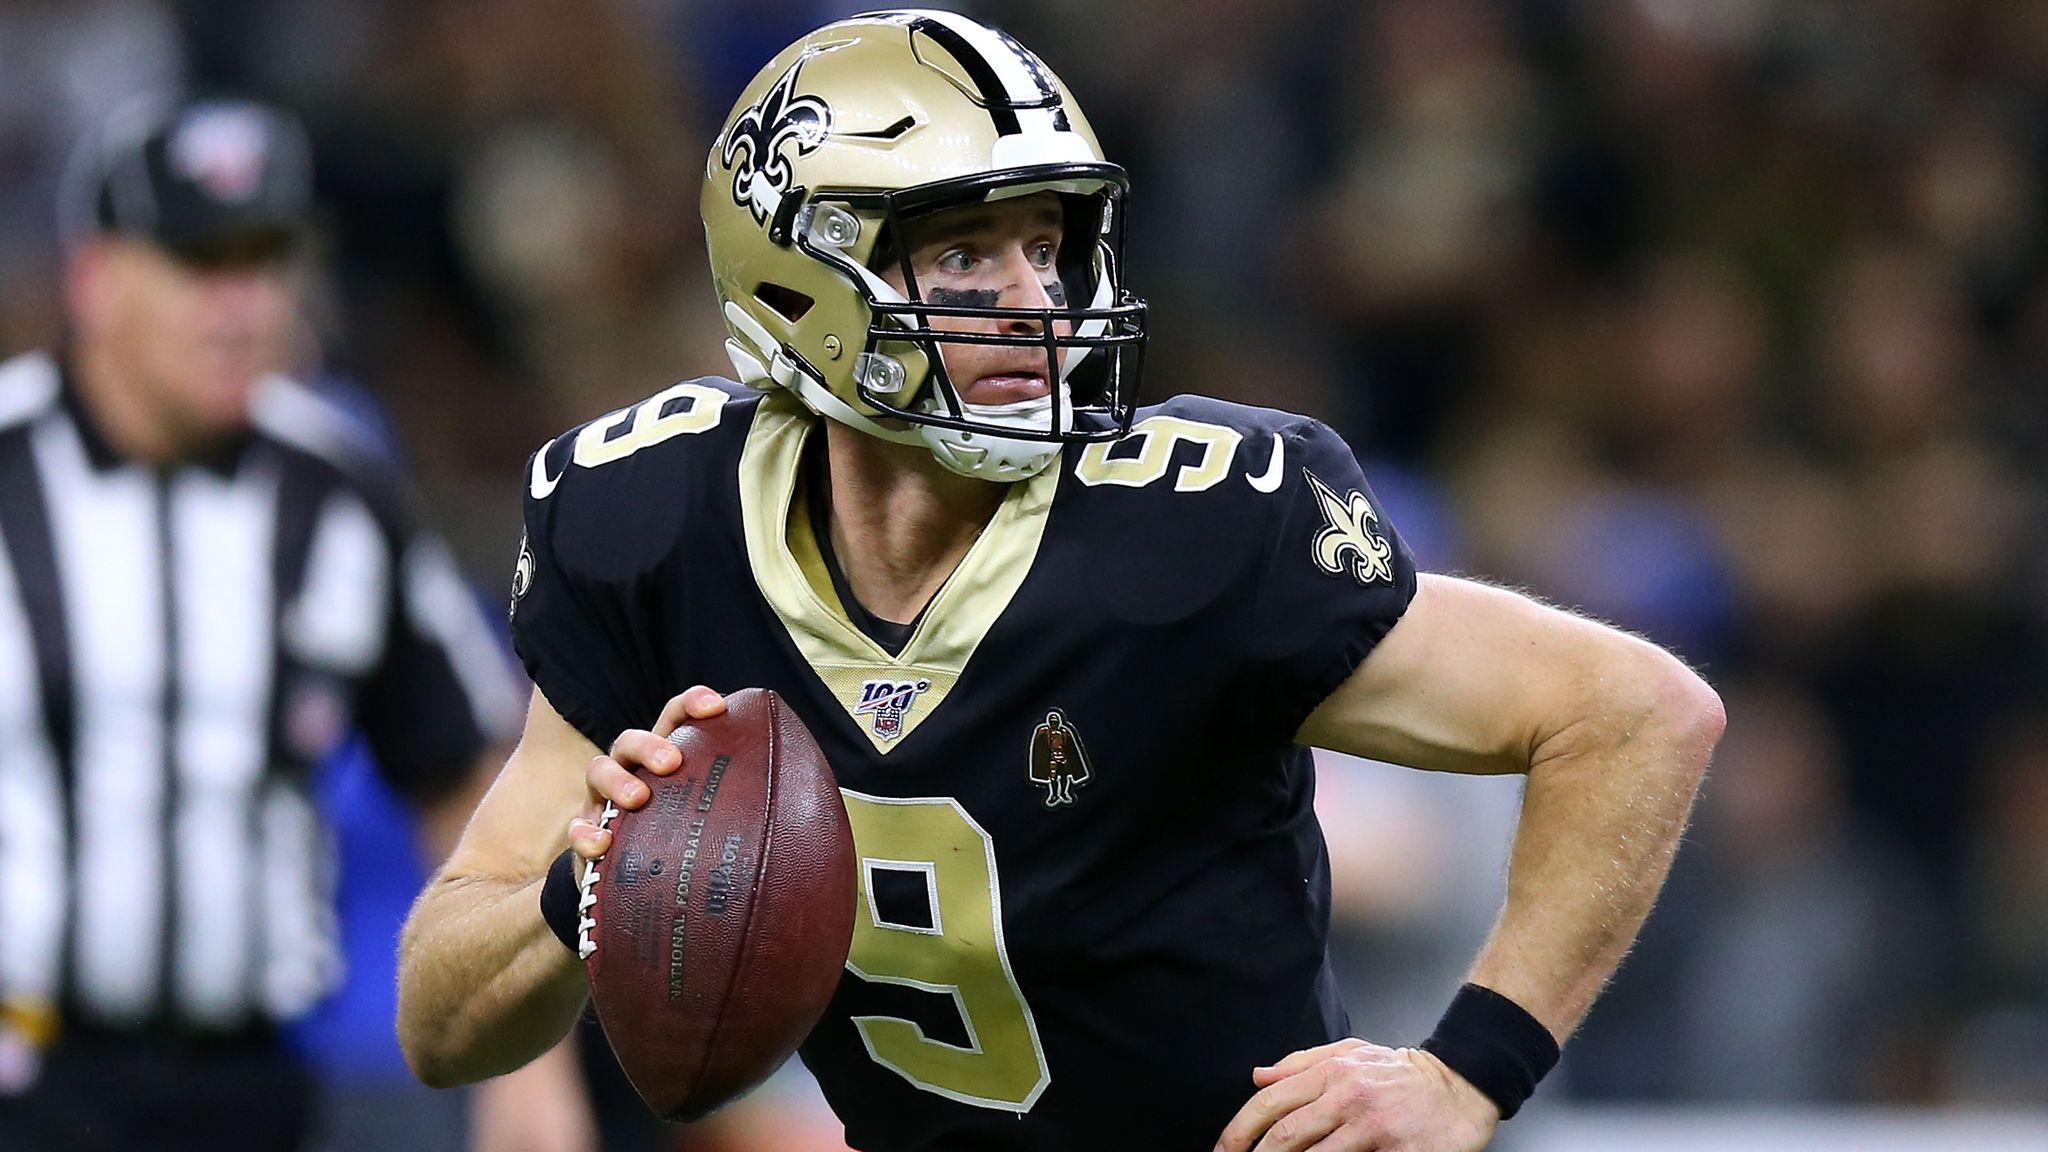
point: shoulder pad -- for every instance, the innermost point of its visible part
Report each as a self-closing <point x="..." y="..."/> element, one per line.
<point x="1193" y="444"/>
<point x="1246" y="418"/>
<point x="612" y="496"/>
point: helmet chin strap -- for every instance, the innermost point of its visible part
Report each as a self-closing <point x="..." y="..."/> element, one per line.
<point x="781" y="370"/>
<point x="820" y="399"/>
<point x="977" y="455"/>
<point x="1000" y="458"/>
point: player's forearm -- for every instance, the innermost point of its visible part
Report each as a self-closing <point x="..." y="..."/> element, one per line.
<point x="1606" y="802"/>
<point x="483" y="986"/>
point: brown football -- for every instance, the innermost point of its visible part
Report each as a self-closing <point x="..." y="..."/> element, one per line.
<point x="716" y="927"/>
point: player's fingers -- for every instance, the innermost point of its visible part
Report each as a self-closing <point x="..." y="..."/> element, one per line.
<point x="1305" y="1126"/>
<point x="1266" y="1107"/>
<point x="702" y="703"/>
<point x="672" y="716"/>
<point x="1352" y="1137"/>
<point x="1303" y="1060"/>
<point x="609" y="780"/>
<point x="639" y="748"/>
<point x="693" y="703"/>
<point x="587" y="839"/>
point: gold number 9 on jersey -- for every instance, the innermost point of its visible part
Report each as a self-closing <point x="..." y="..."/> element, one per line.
<point x="953" y="947"/>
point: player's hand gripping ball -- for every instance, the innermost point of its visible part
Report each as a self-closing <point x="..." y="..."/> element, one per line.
<point x="717" y="921"/>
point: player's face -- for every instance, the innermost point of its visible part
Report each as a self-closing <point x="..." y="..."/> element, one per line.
<point x="192" y="338"/>
<point x="996" y="255"/>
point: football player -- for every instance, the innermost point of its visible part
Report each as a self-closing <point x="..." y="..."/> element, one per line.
<point x="1066" y="657"/>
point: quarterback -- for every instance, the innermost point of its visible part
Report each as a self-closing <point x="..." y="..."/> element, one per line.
<point x="1066" y="656"/>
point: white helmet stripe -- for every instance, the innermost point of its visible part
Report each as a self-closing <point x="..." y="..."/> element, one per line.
<point x="1004" y="57"/>
<point x="1015" y="86"/>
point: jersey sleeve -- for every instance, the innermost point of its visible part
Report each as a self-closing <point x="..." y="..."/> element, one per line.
<point x="581" y="611"/>
<point x="444" y="689"/>
<point x="1333" y="579"/>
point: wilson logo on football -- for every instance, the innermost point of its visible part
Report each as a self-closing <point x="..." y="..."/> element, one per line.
<point x="887" y="701"/>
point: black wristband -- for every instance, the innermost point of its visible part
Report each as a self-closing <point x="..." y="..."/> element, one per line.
<point x="1495" y="1044"/>
<point x="558" y="897"/>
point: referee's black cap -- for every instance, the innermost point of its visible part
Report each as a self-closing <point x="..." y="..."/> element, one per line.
<point x="210" y="179"/>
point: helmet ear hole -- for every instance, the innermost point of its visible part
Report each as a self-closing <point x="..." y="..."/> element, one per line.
<point x="1089" y="381"/>
<point x="787" y="303"/>
<point x="1080" y="238"/>
<point x="885" y="255"/>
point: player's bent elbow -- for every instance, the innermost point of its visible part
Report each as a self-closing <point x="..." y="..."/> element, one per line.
<point x="1631" y="692"/>
<point x="1704" y="713"/>
<point x="432" y="1036"/>
<point x="438" y="1074"/>
<point x="431" y="1052"/>
<point x="441" y="1053"/>
<point x="1680" y="707"/>
<point x="429" y="1066"/>
<point x="459" y="1025"/>
<point x="430" y="1063"/>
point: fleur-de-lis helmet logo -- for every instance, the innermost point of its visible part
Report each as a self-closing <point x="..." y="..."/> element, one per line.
<point x="753" y="148"/>
<point x="1349" y="528"/>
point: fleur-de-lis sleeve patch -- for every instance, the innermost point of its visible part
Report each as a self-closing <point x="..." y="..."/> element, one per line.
<point x="522" y="576"/>
<point x="1349" y="528"/>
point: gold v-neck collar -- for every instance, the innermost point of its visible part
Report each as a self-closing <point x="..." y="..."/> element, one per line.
<point x="887" y="696"/>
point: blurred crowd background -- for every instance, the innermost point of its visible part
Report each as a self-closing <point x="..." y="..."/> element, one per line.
<point x="1725" y="320"/>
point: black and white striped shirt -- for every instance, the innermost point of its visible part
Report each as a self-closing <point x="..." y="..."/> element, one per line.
<point x="178" y="648"/>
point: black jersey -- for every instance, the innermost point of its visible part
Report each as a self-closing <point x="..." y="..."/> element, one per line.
<point x="1093" y="893"/>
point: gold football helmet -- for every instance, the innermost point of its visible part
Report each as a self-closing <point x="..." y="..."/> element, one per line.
<point x="874" y="121"/>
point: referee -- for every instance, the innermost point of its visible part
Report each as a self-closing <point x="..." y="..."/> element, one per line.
<point x="204" y="584"/>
